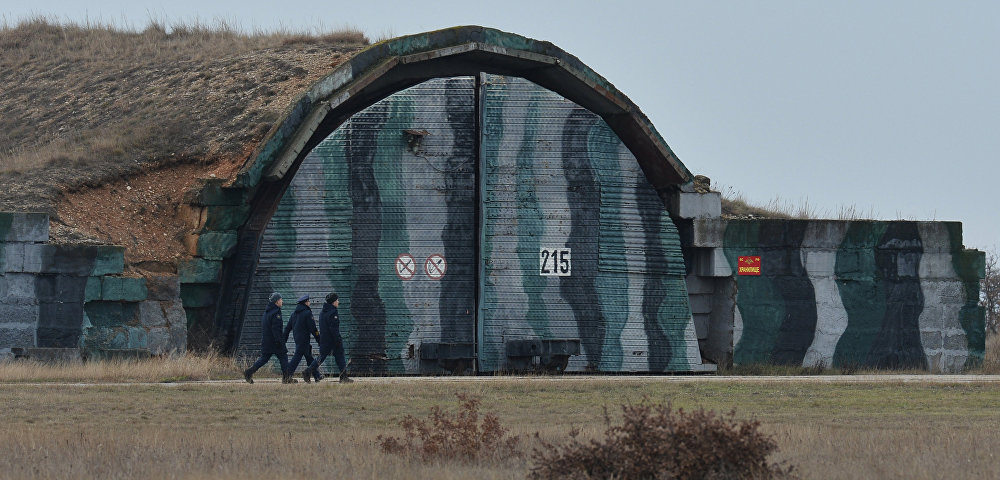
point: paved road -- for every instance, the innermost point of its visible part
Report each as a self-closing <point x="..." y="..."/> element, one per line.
<point x="846" y="379"/>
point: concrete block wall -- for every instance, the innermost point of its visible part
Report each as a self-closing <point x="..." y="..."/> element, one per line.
<point x="848" y="293"/>
<point x="76" y="296"/>
<point x="214" y="212"/>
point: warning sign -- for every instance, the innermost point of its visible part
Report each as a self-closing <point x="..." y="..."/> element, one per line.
<point x="748" y="265"/>
<point x="406" y="266"/>
<point x="435" y="266"/>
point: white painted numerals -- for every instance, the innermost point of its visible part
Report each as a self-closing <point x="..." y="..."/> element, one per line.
<point x="554" y="261"/>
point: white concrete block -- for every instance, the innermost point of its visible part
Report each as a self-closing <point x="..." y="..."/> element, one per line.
<point x="696" y="205"/>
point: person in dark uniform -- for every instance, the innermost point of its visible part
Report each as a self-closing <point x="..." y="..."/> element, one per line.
<point x="330" y="339"/>
<point x="271" y="341"/>
<point x="302" y="325"/>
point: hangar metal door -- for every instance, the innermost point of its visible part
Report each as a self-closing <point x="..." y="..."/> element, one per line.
<point x="384" y="212"/>
<point x="481" y="224"/>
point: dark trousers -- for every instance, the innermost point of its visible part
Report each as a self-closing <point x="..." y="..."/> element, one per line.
<point x="304" y="351"/>
<point x="338" y="356"/>
<point x="282" y="359"/>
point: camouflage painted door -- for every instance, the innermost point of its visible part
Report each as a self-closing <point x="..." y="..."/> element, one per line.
<point x="383" y="212"/>
<point x="516" y="233"/>
<point x="577" y="247"/>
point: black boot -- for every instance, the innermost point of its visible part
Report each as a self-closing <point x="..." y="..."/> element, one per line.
<point x="288" y="379"/>
<point x="306" y="375"/>
<point x="344" y="378"/>
<point x="248" y="376"/>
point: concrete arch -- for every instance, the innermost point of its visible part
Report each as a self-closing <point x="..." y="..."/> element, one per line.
<point x="393" y="65"/>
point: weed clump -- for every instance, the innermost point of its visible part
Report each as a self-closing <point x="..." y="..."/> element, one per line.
<point x="459" y="437"/>
<point x="657" y="442"/>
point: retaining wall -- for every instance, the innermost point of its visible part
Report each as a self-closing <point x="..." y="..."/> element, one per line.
<point x="76" y="296"/>
<point x="847" y="293"/>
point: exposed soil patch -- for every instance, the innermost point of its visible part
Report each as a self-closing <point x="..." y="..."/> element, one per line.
<point x="140" y="213"/>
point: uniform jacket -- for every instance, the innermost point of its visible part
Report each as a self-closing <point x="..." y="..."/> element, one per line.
<point x="301" y="325"/>
<point x="271" y="341"/>
<point x="329" y="327"/>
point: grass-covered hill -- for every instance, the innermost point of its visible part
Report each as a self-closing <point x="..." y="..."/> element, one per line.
<point x="87" y="105"/>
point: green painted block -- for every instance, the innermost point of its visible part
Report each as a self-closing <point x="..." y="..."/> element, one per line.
<point x="126" y="289"/>
<point x="224" y="217"/>
<point x="112" y="314"/>
<point x="199" y="270"/>
<point x="93" y="289"/>
<point x="972" y="264"/>
<point x="109" y="260"/>
<point x="216" y="245"/>
<point x="194" y="295"/>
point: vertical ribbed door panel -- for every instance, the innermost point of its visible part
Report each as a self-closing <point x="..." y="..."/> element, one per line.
<point x="383" y="212"/>
<point x="556" y="178"/>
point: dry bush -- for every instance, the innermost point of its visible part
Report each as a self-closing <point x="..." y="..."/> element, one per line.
<point x="458" y="437"/>
<point x="657" y="442"/>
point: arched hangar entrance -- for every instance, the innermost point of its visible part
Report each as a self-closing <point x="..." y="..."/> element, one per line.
<point x="472" y="219"/>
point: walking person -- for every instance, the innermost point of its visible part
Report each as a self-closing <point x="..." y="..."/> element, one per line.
<point x="302" y="325"/>
<point x="330" y="339"/>
<point x="271" y="342"/>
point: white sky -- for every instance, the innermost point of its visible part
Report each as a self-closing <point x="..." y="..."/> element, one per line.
<point x="889" y="107"/>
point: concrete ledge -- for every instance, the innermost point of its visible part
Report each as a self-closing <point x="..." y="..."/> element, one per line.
<point x="695" y="205"/>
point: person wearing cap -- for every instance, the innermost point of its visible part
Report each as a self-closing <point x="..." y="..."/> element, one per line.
<point x="271" y="343"/>
<point x="302" y="325"/>
<point x="330" y="339"/>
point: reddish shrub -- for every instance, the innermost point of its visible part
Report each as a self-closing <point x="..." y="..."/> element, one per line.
<point x="453" y="437"/>
<point x="656" y="442"/>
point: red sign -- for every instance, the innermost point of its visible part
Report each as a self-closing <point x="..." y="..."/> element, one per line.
<point x="748" y="266"/>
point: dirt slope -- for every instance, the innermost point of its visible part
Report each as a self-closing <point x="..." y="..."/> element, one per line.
<point x="105" y="128"/>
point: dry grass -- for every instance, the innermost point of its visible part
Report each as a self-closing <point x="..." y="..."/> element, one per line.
<point x="90" y="102"/>
<point x="736" y="205"/>
<point x="991" y="361"/>
<point x="166" y="369"/>
<point x="268" y="430"/>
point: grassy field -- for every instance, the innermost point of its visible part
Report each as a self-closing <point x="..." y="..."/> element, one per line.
<point x="268" y="430"/>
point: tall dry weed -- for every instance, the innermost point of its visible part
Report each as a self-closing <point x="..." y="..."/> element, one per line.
<point x="991" y="361"/>
<point x="188" y="367"/>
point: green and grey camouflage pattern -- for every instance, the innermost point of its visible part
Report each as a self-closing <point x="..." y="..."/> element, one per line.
<point x="874" y="294"/>
<point x="435" y="213"/>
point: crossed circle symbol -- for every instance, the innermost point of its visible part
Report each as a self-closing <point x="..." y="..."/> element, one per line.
<point x="406" y="266"/>
<point x="435" y="266"/>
